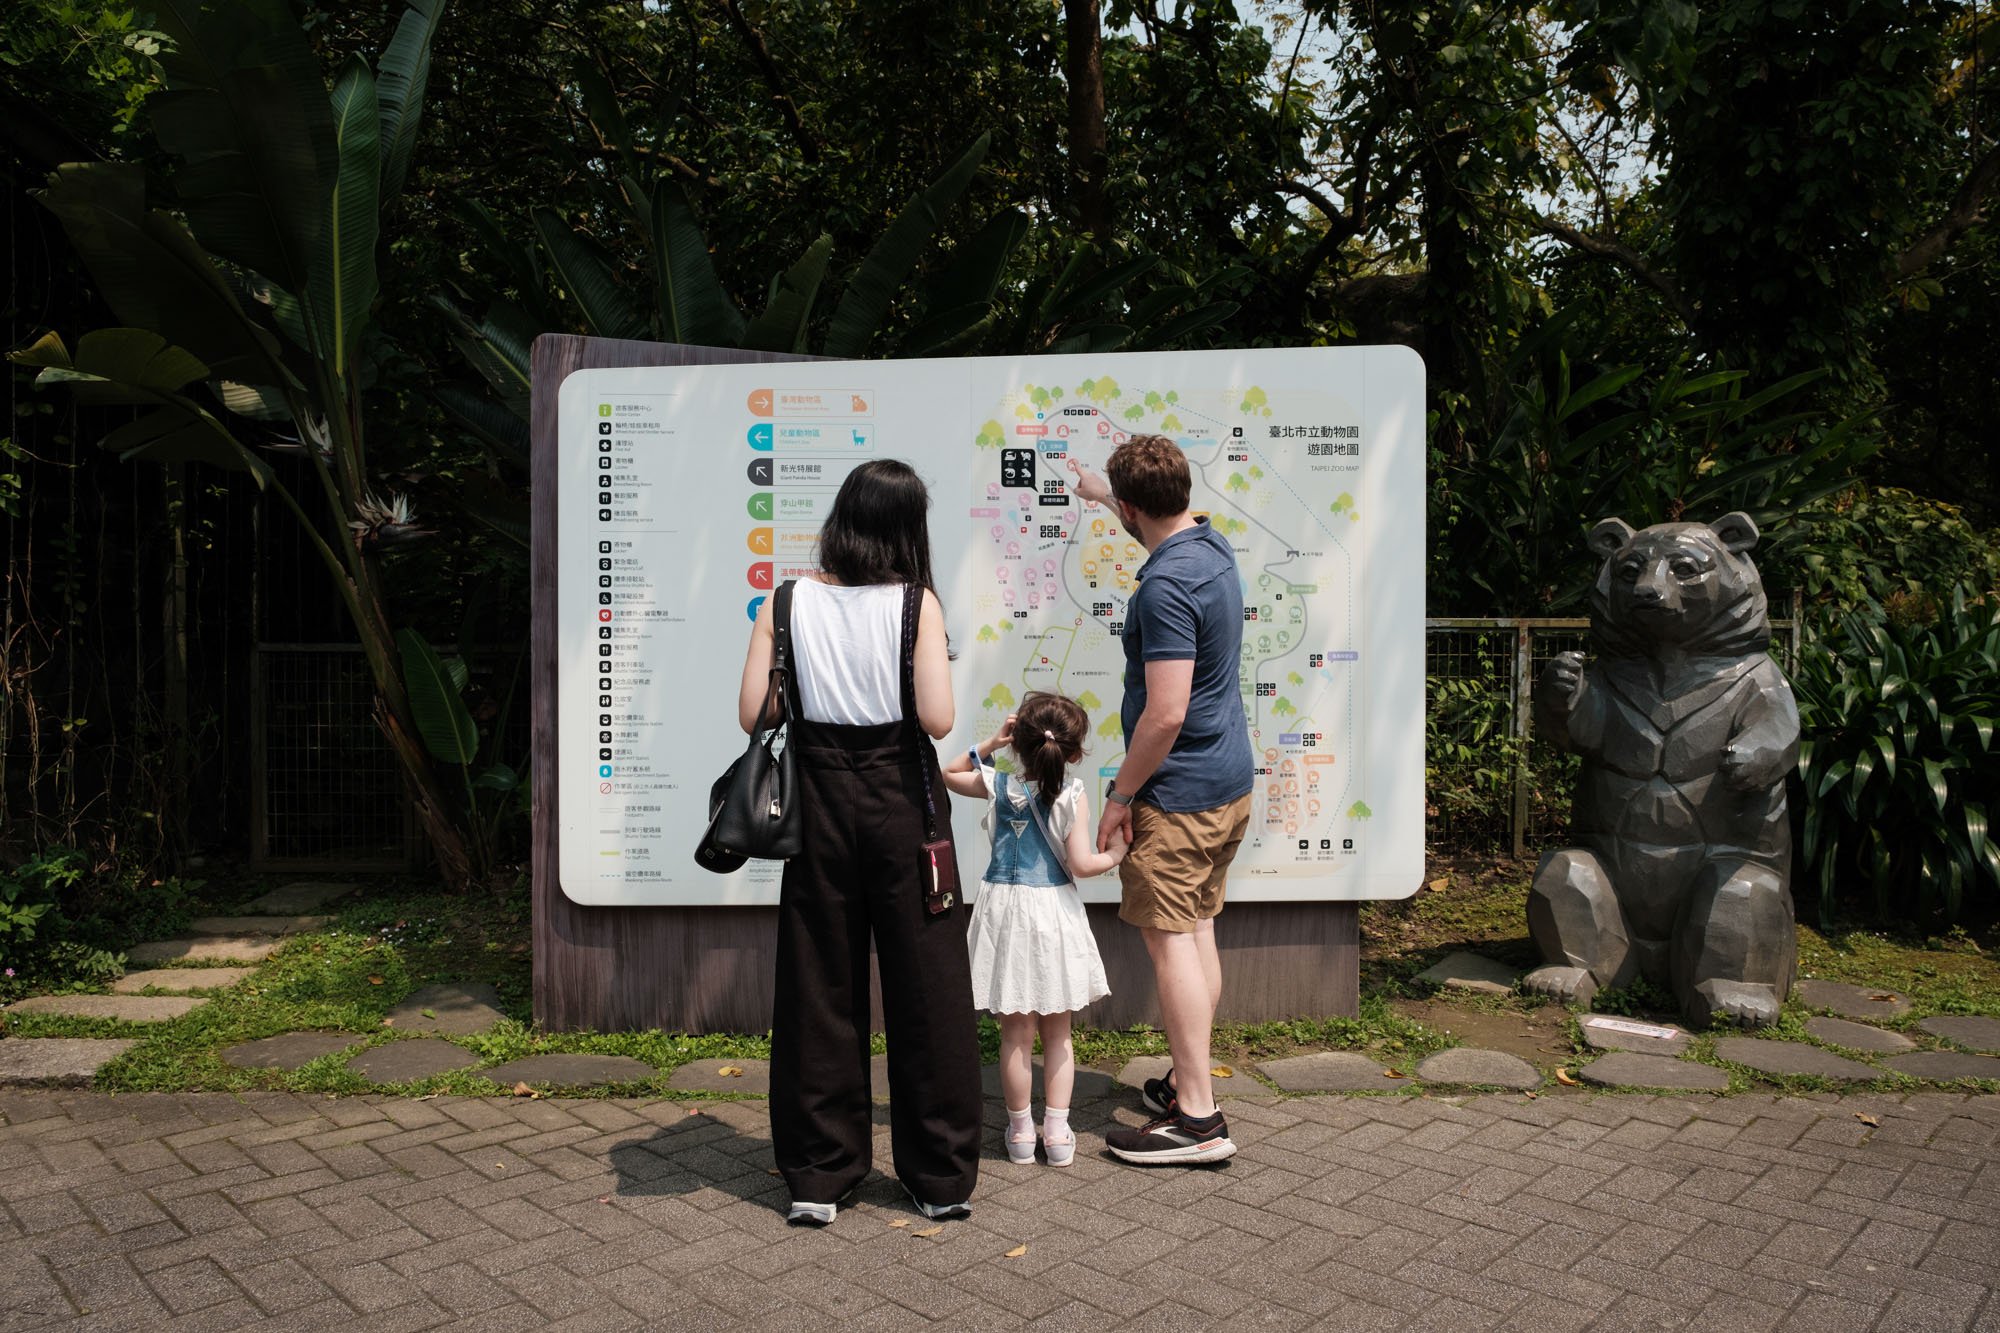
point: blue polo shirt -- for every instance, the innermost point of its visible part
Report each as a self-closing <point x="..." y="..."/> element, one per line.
<point x="1189" y="605"/>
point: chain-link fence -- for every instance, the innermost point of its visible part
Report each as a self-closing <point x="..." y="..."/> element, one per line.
<point x="325" y="793"/>
<point x="1488" y="784"/>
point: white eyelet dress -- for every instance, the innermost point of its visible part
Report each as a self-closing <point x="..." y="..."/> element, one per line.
<point x="1030" y="941"/>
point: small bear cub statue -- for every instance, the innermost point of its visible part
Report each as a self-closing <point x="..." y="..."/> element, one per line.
<point x="1682" y="872"/>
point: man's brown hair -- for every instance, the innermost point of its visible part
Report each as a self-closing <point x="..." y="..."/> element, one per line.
<point x="1150" y="473"/>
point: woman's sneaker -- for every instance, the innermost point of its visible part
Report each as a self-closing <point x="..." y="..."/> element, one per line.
<point x="1174" y="1140"/>
<point x="812" y="1214"/>
<point x="938" y="1212"/>
<point x="1159" y="1095"/>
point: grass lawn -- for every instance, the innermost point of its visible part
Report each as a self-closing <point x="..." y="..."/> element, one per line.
<point x="393" y="937"/>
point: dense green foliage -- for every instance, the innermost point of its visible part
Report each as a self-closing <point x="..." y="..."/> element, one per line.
<point x="1662" y="260"/>
<point x="1899" y="764"/>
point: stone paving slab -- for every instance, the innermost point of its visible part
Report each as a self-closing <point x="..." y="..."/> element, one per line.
<point x="125" y="1008"/>
<point x="753" y="1076"/>
<point x="205" y="949"/>
<point x="1090" y="1084"/>
<point x="181" y="979"/>
<point x="409" y="1061"/>
<point x="1792" y="1058"/>
<point x="304" y="896"/>
<point x="1945" y="1066"/>
<point x="456" y="1010"/>
<point x="1609" y="1032"/>
<point x="1470" y="1066"/>
<point x="1134" y="1072"/>
<point x="575" y="1071"/>
<point x="1472" y="972"/>
<point x="257" y="925"/>
<point x="1328" y="1071"/>
<point x="288" y="1050"/>
<point x="66" y="1061"/>
<point x="1629" y="1069"/>
<point x="1858" y="1036"/>
<point x="1852" y="1001"/>
<point x="1971" y="1031"/>
<point x="1492" y="1212"/>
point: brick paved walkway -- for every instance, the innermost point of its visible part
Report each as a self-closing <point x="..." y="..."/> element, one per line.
<point x="1609" y="1212"/>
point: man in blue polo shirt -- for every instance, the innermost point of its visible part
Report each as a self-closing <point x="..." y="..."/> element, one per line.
<point x="1182" y="794"/>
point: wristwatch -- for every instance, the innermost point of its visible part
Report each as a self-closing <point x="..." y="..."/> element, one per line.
<point x="1113" y="795"/>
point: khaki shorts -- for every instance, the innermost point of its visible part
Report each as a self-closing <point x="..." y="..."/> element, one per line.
<point x="1175" y="874"/>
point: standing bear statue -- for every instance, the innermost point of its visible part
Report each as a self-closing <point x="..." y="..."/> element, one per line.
<point x="1687" y="729"/>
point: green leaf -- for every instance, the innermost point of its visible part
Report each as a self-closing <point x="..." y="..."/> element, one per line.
<point x="1186" y="324"/>
<point x="1610" y="382"/>
<point x="694" y="308"/>
<point x="245" y="109"/>
<point x="1085" y="297"/>
<point x="498" y="777"/>
<point x="782" y="326"/>
<point x="1098" y="338"/>
<point x="585" y="273"/>
<point x="343" y="284"/>
<point x="495" y="426"/>
<point x="446" y="726"/>
<point x="1934" y="777"/>
<point x="936" y="335"/>
<point x="400" y="81"/>
<point x="864" y="306"/>
<point x="973" y="273"/>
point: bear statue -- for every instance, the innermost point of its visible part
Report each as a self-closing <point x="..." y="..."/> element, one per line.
<point x="1687" y="730"/>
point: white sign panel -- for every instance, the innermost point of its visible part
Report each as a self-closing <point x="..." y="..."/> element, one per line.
<point x="687" y="493"/>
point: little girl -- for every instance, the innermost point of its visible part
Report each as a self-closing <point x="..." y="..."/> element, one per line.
<point x="1034" y="959"/>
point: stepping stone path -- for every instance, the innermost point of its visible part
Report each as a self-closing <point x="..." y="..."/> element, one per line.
<point x="455" y="1011"/>
<point x="1090" y="1083"/>
<point x="753" y="1076"/>
<point x="68" y="1061"/>
<point x="1858" y="1036"/>
<point x="409" y="1061"/>
<point x="1467" y="1065"/>
<point x="571" y="1070"/>
<point x="1945" y="1066"/>
<point x="305" y="896"/>
<point x="1973" y="1033"/>
<point x="1603" y="1032"/>
<point x="206" y="949"/>
<point x="257" y="925"/>
<point x="292" y="1050"/>
<point x="125" y="1008"/>
<point x="1469" y="971"/>
<point x="1142" y="1067"/>
<point x="1792" y="1058"/>
<point x="1851" y="1001"/>
<point x="1328" y="1071"/>
<point x="1628" y="1069"/>
<point x="181" y="979"/>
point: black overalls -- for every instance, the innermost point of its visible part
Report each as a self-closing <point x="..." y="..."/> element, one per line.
<point x="863" y="801"/>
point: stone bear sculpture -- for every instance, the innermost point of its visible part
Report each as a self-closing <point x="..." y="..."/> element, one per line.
<point x="1687" y="729"/>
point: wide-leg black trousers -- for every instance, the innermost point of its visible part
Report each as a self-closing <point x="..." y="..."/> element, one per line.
<point x="860" y="874"/>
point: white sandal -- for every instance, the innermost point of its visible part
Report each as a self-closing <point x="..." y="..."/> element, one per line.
<point x="1021" y="1152"/>
<point x="1061" y="1151"/>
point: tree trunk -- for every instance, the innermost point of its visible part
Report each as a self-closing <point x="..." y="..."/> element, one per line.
<point x="1083" y="71"/>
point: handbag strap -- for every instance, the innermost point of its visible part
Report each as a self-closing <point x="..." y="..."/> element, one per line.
<point x="1060" y="852"/>
<point x="781" y="678"/>
<point x="913" y="601"/>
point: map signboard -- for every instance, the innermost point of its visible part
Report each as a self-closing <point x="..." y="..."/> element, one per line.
<point x="686" y="494"/>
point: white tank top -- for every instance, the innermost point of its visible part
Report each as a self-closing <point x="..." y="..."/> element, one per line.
<point x="847" y="643"/>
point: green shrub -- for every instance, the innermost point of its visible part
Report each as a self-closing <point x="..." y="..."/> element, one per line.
<point x="1878" y="543"/>
<point x="1470" y="755"/>
<point x="1897" y="757"/>
<point x="28" y="895"/>
<point x="65" y="920"/>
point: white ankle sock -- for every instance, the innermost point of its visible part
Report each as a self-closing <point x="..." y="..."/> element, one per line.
<point x="1020" y="1124"/>
<point x="1055" y="1123"/>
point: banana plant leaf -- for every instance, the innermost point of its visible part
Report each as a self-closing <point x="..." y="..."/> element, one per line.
<point x="782" y="326"/>
<point x="443" y="721"/>
<point x="400" y="80"/>
<point x="694" y="308"/>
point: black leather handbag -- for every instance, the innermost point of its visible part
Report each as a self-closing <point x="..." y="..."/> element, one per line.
<point x="753" y="807"/>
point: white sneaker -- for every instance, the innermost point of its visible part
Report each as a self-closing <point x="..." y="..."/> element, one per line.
<point x="811" y="1214"/>
<point x="940" y="1212"/>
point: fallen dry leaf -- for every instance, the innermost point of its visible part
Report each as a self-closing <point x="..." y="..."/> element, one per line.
<point x="1562" y="1077"/>
<point x="388" y="1022"/>
<point x="1531" y="1095"/>
<point x="1016" y="1252"/>
<point x="730" y="1071"/>
<point x="523" y="1090"/>
<point x="929" y="1231"/>
<point x="1882" y="995"/>
<point x="1867" y="1119"/>
<point x="1394" y="1073"/>
<point x="694" y="1110"/>
<point x="374" y="981"/>
<point x="900" y="1222"/>
<point x="604" y="1198"/>
<point x="1439" y="885"/>
<point x="1222" y="1071"/>
<point x="427" y="1096"/>
<point x="771" y="1171"/>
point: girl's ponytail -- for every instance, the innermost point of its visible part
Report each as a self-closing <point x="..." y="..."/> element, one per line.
<point x="1048" y="737"/>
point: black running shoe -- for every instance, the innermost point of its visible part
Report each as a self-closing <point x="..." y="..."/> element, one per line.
<point x="1159" y="1096"/>
<point x="1174" y="1140"/>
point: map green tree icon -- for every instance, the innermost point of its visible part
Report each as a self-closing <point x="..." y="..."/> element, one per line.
<point x="1237" y="483"/>
<point x="1359" y="810"/>
<point x="1283" y="707"/>
<point x="1170" y="421"/>
<point x="1089" y="702"/>
<point x="990" y="436"/>
<point x="999" y="697"/>
<point x="1102" y="390"/>
<point x="1111" y="728"/>
<point x="1255" y="402"/>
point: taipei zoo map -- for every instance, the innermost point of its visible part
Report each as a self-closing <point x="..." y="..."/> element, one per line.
<point x="687" y="494"/>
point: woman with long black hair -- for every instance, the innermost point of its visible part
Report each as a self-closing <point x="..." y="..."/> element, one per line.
<point x="873" y="688"/>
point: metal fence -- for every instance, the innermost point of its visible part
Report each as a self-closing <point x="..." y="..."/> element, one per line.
<point x="325" y="793"/>
<point x="1489" y="785"/>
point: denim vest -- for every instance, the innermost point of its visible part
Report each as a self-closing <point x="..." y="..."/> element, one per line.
<point x="1021" y="855"/>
